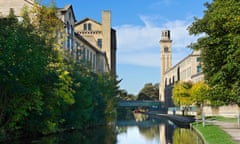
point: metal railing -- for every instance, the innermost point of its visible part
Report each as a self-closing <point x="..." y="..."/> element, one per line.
<point x="236" y="116"/>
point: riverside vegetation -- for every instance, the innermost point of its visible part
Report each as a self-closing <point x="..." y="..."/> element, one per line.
<point x="42" y="89"/>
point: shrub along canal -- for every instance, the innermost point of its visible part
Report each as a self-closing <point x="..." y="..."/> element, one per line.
<point x="131" y="128"/>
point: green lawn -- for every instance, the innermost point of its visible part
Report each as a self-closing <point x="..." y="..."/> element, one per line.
<point x="214" y="134"/>
<point x="221" y="118"/>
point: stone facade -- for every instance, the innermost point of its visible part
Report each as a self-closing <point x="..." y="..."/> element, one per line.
<point x="101" y="36"/>
<point x="188" y="69"/>
<point x="17" y="5"/>
<point x="90" y="54"/>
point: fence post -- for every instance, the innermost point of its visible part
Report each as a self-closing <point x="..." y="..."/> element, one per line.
<point x="203" y="119"/>
<point x="239" y="120"/>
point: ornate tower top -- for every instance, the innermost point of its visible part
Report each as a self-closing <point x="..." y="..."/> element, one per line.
<point x="165" y="35"/>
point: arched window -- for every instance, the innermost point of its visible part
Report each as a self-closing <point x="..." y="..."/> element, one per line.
<point x="166" y="49"/>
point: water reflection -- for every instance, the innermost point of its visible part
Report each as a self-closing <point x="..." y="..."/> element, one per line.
<point x="136" y="129"/>
<point x="149" y="130"/>
<point x="144" y="129"/>
<point x="185" y="136"/>
<point x="134" y="136"/>
<point x="100" y="135"/>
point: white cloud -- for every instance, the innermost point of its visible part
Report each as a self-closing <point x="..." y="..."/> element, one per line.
<point x="139" y="44"/>
<point x="134" y="38"/>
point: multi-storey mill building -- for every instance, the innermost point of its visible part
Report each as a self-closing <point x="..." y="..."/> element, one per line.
<point x="87" y="40"/>
<point x="102" y="37"/>
<point x="67" y="16"/>
<point x="188" y="69"/>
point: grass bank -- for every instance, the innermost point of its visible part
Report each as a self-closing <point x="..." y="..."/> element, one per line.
<point x="223" y="119"/>
<point x="213" y="134"/>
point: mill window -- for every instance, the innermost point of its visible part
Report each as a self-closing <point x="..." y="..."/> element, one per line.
<point x="89" y="27"/>
<point x="84" y="26"/>
<point x="99" y="43"/>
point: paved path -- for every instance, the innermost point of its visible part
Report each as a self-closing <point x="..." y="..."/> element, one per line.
<point x="230" y="128"/>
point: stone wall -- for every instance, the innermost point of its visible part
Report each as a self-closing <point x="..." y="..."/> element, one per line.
<point x="17" y="5"/>
<point x="227" y="111"/>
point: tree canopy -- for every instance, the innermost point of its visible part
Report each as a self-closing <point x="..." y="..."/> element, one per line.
<point x="182" y="94"/>
<point x="149" y="92"/>
<point x="220" y="49"/>
<point x="199" y="92"/>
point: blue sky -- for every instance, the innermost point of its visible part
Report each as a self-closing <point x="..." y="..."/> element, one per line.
<point x="138" y="24"/>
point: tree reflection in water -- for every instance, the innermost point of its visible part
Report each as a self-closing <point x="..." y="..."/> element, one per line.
<point x="130" y="129"/>
<point x="140" y="117"/>
<point x="185" y="136"/>
<point x="98" y="135"/>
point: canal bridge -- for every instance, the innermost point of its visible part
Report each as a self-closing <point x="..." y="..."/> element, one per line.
<point x="140" y="103"/>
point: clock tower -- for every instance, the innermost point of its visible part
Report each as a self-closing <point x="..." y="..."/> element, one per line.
<point x="166" y="59"/>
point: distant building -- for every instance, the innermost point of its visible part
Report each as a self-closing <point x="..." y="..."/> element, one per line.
<point x="86" y="40"/>
<point x="188" y="69"/>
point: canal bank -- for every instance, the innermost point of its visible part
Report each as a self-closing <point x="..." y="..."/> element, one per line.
<point x="182" y="121"/>
<point x="230" y="128"/>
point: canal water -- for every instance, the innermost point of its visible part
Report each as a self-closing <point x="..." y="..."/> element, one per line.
<point x="130" y="129"/>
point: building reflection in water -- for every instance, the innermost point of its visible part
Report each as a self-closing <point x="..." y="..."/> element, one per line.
<point x="144" y="128"/>
<point x="162" y="133"/>
<point x="166" y="131"/>
<point x="166" y="127"/>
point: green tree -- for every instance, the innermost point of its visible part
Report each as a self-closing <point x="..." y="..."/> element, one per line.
<point x="149" y="92"/>
<point x="95" y="98"/>
<point x="124" y="95"/>
<point x="108" y="86"/>
<point x="41" y="88"/>
<point x="182" y="95"/>
<point x="23" y="61"/>
<point x="80" y="113"/>
<point x="56" y="85"/>
<point x="199" y="92"/>
<point x="220" y="49"/>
